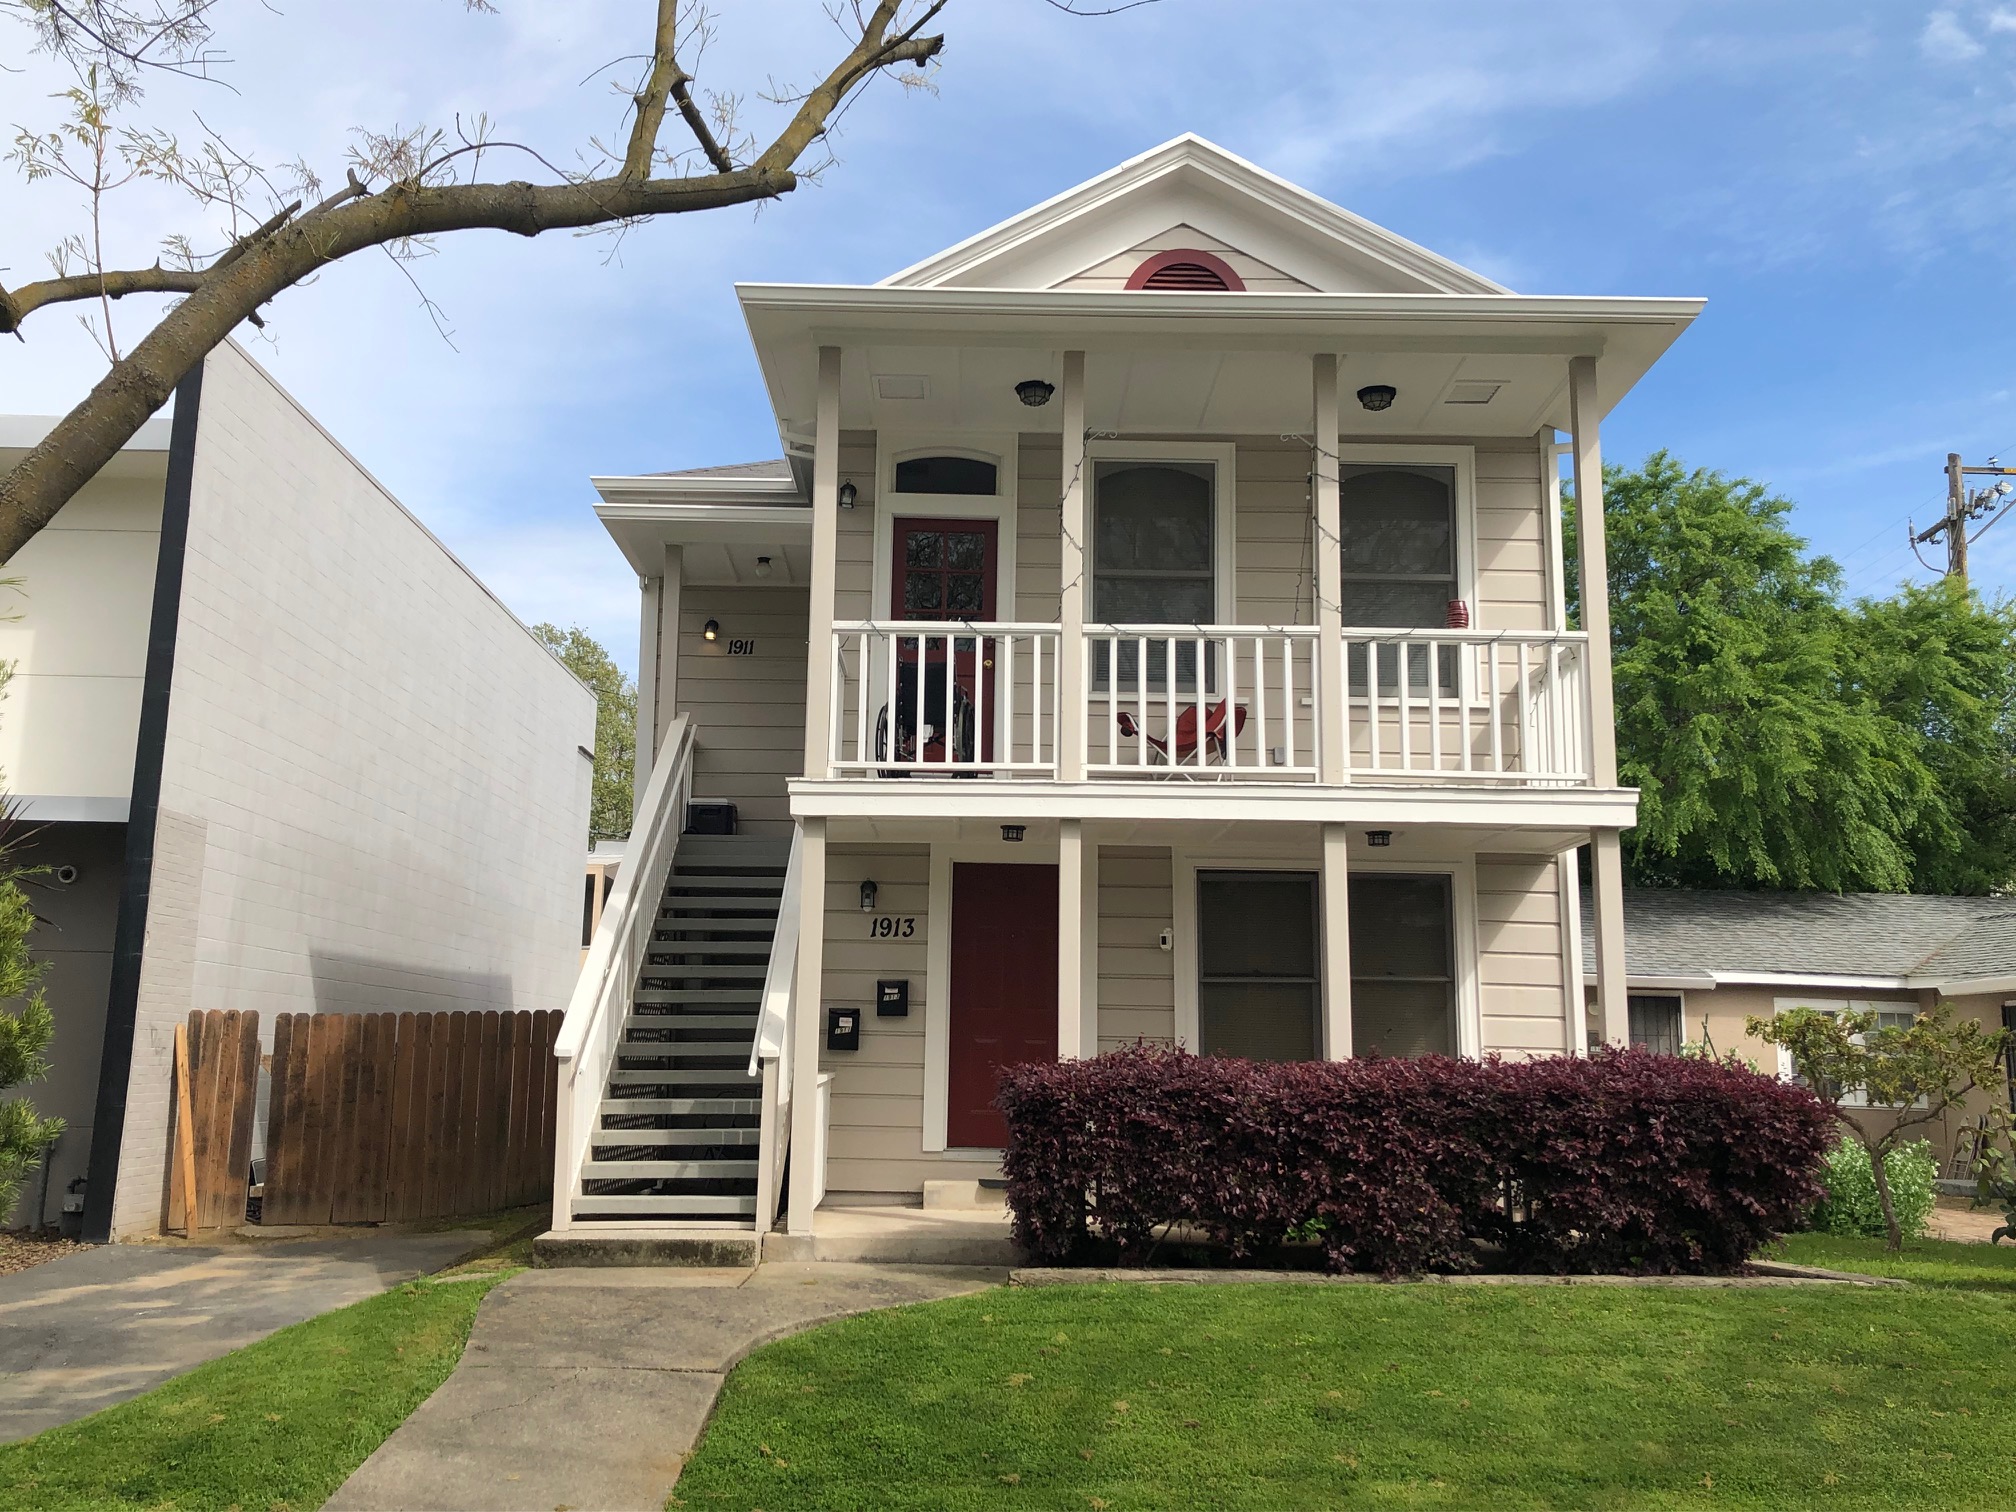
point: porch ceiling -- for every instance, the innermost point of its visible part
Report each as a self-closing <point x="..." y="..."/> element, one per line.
<point x="1410" y="842"/>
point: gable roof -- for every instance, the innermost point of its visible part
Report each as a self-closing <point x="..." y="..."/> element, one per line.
<point x="1917" y="939"/>
<point x="1191" y="182"/>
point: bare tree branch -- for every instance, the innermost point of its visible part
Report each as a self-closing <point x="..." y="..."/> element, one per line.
<point x="17" y="304"/>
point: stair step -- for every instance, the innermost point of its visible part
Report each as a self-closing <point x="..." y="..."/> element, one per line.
<point x="692" y="1020"/>
<point x="740" y="971"/>
<point x="747" y="995"/>
<point x="685" y="881"/>
<point x="607" y="1137"/>
<point x="741" y="928"/>
<point x="624" y="1076"/>
<point x="727" y="950"/>
<point x="668" y="1170"/>
<point x="677" y="1107"/>
<point x="668" y="1206"/>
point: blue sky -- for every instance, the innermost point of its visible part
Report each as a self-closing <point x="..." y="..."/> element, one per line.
<point x="1836" y="180"/>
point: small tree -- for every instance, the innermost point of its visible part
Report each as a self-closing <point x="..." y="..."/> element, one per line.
<point x="25" y="1032"/>
<point x="1902" y="1078"/>
<point x="615" y="724"/>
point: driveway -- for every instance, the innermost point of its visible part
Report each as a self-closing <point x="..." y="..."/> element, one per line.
<point x="92" y="1329"/>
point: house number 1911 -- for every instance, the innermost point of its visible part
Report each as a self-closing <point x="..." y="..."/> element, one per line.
<point x="888" y="927"/>
<point x="742" y="647"/>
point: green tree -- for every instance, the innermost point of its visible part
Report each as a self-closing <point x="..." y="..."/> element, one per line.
<point x="1762" y="759"/>
<point x="1886" y="1086"/>
<point x="615" y="725"/>
<point x="27" y="1030"/>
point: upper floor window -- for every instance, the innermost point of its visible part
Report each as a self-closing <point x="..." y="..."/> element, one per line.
<point x="1186" y="268"/>
<point x="1399" y="528"/>
<point x="947" y="475"/>
<point x="1152" y="530"/>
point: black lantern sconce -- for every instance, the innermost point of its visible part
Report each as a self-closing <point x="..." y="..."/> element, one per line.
<point x="712" y="630"/>
<point x="1013" y="833"/>
<point x="1034" y="392"/>
<point x="848" y="494"/>
<point x="868" y="897"/>
<point x="1378" y="839"/>
<point x="1378" y="396"/>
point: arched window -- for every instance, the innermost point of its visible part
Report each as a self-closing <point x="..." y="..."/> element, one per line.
<point x="1186" y="268"/>
<point x="947" y="475"/>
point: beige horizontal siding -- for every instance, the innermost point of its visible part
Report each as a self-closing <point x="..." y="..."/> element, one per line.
<point x="853" y="566"/>
<point x="1137" y="977"/>
<point x="748" y="711"/>
<point x="1113" y="272"/>
<point x="1519" y="955"/>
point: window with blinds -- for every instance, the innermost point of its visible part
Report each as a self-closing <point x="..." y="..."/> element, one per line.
<point x="1655" y="1022"/>
<point x="1403" y="978"/>
<point x="1258" y="990"/>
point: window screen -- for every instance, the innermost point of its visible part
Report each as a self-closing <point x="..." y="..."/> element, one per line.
<point x="1403" y="982"/>
<point x="1655" y="1023"/>
<point x="1399" y="549"/>
<point x="1151" y="560"/>
<point x="946" y="475"/>
<point x="1257" y="992"/>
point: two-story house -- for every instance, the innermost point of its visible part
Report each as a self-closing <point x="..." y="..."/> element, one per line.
<point x="1154" y="630"/>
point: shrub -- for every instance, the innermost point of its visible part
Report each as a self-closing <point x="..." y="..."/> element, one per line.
<point x="1850" y="1206"/>
<point x="1621" y="1161"/>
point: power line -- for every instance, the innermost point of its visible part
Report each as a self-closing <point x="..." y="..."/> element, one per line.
<point x="1963" y="506"/>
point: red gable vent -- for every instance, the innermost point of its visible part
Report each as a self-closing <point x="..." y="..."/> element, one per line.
<point x="1186" y="269"/>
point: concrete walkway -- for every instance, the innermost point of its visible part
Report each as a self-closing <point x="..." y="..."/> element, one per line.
<point x="95" y="1328"/>
<point x="586" y="1389"/>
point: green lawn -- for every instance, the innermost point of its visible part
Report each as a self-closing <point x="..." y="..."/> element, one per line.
<point x="274" y="1427"/>
<point x="1382" y="1396"/>
<point x="1929" y="1262"/>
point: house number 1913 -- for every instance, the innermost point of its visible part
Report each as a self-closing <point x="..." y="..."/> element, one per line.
<point x="888" y="927"/>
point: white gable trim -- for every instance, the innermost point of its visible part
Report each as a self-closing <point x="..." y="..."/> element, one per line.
<point x="1193" y="154"/>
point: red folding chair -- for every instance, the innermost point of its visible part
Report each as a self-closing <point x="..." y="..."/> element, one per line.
<point x="1216" y="736"/>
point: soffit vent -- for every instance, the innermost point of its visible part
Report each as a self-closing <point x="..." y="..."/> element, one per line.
<point x="1472" y="391"/>
<point x="901" y="386"/>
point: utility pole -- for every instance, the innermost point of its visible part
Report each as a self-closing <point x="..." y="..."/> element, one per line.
<point x="1963" y="507"/>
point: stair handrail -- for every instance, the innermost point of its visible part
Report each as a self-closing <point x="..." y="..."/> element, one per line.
<point x="592" y="1030"/>
<point x="770" y="1053"/>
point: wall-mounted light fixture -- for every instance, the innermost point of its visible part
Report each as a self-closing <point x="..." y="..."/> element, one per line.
<point x="868" y="897"/>
<point x="848" y="494"/>
<point x="1378" y="396"/>
<point x="1378" y="839"/>
<point x="712" y="630"/>
<point x="1013" y="833"/>
<point x="1034" y="392"/>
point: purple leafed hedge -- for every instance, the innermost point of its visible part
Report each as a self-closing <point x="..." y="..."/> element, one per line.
<point x="1622" y="1161"/>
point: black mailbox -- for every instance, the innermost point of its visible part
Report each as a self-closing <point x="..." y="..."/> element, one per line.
<point x="892" y="999"/>
<point x="843" y="1028"/>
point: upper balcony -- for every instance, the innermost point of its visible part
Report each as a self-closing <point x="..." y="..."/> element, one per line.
<point x="1209" y="703"/>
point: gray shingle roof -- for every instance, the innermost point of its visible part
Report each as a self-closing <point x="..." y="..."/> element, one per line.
<point x="776" y="467"/>
<point x="1676" y="932"/>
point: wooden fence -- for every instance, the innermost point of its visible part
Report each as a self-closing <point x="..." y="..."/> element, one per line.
<point x="216" y="1093"/>
<point x="379" y="1117"/>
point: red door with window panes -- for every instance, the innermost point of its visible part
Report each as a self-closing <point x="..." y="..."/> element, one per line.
<point x="944" y="570"/>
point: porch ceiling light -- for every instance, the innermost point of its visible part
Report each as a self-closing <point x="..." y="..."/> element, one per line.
<point x="1013" y="833"/>
<point x="1378" y="839"/>
<point x="1034" y="392"/>
<point x="712" y="630"/>
<point x="1378" y="396"/>
<point x="848" y="494"/>
<point x="868" y="897"/>
<point x="763" y="566"/>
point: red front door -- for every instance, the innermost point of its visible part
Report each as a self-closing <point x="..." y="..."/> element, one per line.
<point x="945" y="570"/>
<point x="1004" y="990"/>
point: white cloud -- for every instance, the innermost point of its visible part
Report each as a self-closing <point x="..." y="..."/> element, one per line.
<point x="1945" y="40"/>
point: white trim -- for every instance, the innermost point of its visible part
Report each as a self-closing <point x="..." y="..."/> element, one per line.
<point x="2004" y="983"/>
<point x="1817" y="979"/>
<point x="938" y="977"/>
<point x="1557" y="559"/>
<point x="1574" y="1000"/>
<point x="892" y="447"/>
<point x="66" y="810"/>
<point x="1659" y="983"/>
<point x="1462" y="874"/>
<point x="1224" y="458"/>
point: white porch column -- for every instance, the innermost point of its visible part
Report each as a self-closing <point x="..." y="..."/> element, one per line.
<point x="1071" y="574"/>
<point x="1336" y="955"/>
<point x="1606" y="856"/>
<point x="665" y="700"/>
<point x="1332" y="711"/>
<point x="1077" y="941"/>
<point x="647" y="689"/>
<point x="808" y="1026"/>
<point x="825" y="548"/>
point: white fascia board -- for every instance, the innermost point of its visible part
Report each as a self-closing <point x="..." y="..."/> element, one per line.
<point x="1817" y="979"/>
<point x="21" y="432"/>
<point x="1292" y="803"/>
<point x="1951" y="985"/>
<point x="1193" y="153"/>
<point x="645" y="488"/>
<point x="1633" y="981"/>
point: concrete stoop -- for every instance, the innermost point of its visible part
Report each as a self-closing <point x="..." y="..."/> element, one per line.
<point x="616" y="1247"/>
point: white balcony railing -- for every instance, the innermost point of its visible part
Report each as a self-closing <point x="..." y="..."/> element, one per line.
<point x="1227" y="702"/>
<point x="1233" y="700"/>
<point x="1468" y="705"/>
<point x="965" y="698"/>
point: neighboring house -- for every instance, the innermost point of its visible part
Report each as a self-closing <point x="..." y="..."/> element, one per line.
<point x="1154" y="630"/>
<point x="283" y="752"/>
<point x="1702" y="963"/>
